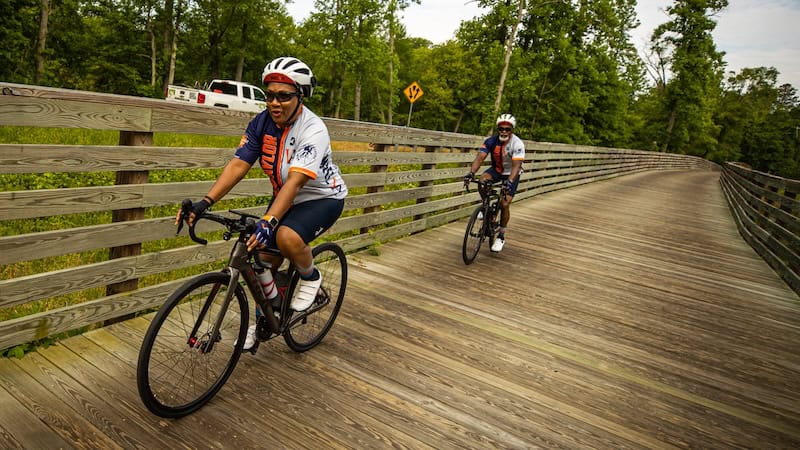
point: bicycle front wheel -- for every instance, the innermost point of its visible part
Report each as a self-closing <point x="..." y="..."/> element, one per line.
<point x="308" y="328"/>
<point x="473" y="236"/>
<point x="182" y="364"/>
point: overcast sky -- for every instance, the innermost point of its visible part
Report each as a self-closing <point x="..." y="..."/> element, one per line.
<point x="752" y="33"/>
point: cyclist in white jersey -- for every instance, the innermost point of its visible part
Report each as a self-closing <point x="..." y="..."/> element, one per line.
<point x="507" y="153"/>
<point x="293" y="147"/>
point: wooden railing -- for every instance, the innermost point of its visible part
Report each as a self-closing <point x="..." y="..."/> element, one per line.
<point x="767" y="212"/>
<point x="414" y="183"/>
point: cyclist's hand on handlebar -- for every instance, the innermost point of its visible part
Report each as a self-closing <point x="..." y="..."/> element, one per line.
<point x="196" y="209"/>
<point x="264" y="236"/>
<point x="468" y="178"/>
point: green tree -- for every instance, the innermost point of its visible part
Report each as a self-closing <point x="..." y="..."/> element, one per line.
<point x="758" y="122"/>
<point x="689" y="99"/>
<point x="19" y="24"/>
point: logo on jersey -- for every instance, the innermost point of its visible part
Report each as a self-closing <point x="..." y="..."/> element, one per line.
<point x="269" y="153"/>
<point x="306" y="154"/>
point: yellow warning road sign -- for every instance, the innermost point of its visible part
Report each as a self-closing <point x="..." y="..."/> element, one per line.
<point x="413" y="92"/>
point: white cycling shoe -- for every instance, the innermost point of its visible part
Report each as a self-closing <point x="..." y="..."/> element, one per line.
<point x="498" y="244"/>
<point x="250" y="339"/>
<point x="305" y="293"/>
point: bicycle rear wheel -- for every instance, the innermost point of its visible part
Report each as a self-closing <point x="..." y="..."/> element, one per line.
<point x="309" y="328"/>
<point x="473" y="236"/>
<point x="181" y="365"/>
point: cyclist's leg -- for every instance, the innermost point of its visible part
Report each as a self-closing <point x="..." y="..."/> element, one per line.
<point x="301" y="225"/>
<point x="505" y="204"/>
<point x="490" y="174"/>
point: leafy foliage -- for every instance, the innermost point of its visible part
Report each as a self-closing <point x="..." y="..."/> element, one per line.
<point x="573" y="74"/>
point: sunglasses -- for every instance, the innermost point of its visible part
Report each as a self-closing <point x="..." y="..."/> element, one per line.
<point x="505" y="128"/>
<point x="282" y="97"/>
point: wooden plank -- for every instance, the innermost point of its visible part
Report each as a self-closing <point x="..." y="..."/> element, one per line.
<point x="51" y="284"/>
<point x="20" y="427"/>
<point x="38" y="326"/>
<point x="59" y="417"/>
<point x="74" y="240"/>
<point x="381" y="217"/>
<point x="258" y="411"/>
<point x="37" y="112"/>
<point x="86" y="403"/>
<point x="103" y="373"/>
<point x="35" y="158"/>
<point x="344" y="159"/>
<point x="49" y="202"/>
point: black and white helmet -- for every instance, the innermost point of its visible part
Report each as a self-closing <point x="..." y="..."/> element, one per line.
<point x="290" y="70"/>
<point x="507" y="118"/>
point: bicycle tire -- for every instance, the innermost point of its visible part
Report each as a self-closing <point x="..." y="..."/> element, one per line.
<point x="175" y="373"/>
<point x="473" y="236"/>
<point x="307" y="333"/>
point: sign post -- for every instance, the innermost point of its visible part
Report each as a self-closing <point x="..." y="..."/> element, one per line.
<point x="413" y="93"/>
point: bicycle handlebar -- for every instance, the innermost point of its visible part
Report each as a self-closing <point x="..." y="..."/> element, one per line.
<point x="244" y="223"/>
<point x="486" y="184"/>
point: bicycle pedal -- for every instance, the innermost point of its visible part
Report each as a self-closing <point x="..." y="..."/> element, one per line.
<point x="252" y="350"/>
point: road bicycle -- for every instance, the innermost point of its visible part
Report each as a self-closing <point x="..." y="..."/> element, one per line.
<point x="485" y="220"/>
<point x="195" y="339"/>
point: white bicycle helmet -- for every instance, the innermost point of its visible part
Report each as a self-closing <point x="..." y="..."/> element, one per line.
<point x="290" y="70"/>
<point x="507" y="118"/>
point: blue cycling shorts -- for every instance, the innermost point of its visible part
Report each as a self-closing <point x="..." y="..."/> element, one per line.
<point x="310" y="219"/>
<point x="497" y="177"/>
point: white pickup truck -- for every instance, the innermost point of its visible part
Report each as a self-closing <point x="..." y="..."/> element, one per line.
<point x="222" y="94"/>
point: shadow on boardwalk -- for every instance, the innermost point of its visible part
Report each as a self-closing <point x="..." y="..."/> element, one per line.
<point x="622" y="314"/>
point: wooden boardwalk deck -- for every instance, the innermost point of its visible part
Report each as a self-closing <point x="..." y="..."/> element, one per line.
<point x="622" y="314"/>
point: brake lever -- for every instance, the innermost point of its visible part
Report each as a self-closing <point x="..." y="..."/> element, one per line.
<point x="186" y="211"/>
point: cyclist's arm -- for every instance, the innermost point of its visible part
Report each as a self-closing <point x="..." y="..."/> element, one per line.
<point x="233" y="172"/>
<point x="476" y="163"/>
<point x="516" y="167"/>
<point x="283" y="201"/>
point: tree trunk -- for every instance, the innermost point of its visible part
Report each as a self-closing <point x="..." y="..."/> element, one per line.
<point x="153" y="54"/>
<point x="392" y="9"/>
<point x="169" y="30"/>
<point x="357" y="100"/>
<point x="391" y="75"/>
<point x="458" y="122"/>
<point x="670" y="127"/>
<point x="173" y="53"/>
<point x="41" y="45"/>
<point x="504" y="73"/>
<point x="240" y="62"/>
<point x="339" y="97"/>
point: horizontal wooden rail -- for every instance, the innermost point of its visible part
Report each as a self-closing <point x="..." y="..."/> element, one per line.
<point x="417" y="187"/>
<point x="767" y="213"/>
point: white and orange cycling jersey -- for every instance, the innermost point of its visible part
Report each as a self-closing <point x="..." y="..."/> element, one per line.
<point x="503" y="153"/>
<point x="303" y="146"/>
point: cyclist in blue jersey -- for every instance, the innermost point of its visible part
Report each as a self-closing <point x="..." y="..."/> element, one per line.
<point x="293" y="147"/>
<point x="507" y="154"/>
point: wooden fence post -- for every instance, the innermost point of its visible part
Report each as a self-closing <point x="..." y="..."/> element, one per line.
<point x="373" y="189"/>
<point x="128" y="138"/>
<point x="428" y="149"/>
